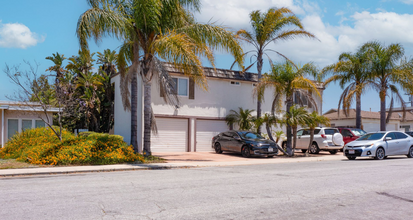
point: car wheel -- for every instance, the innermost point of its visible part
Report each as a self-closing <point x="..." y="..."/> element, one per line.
<point x="380" y="154"/>
<point x="314" y="149"/>
<point x="218" y="149"/>
<point x="351" y="158"/>
<point x="333" y="151"/>
<point x="270" y="156"/>
<point x="303" y="150"/>
<point x="410" y="154"/>
<point x="245" y="152"/>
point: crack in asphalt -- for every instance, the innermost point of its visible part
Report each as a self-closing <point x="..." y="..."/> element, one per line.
<point x="395" y="197"/>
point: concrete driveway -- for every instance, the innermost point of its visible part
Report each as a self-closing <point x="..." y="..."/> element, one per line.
<point x="205" y="158"/>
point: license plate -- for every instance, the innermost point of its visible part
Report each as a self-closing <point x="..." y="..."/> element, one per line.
<point x="270" y="149"/>
<point x="351" y="151"/>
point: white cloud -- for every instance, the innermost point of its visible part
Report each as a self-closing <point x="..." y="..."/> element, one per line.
<point x="409" y="2"/>
<point x="15" y="35"/>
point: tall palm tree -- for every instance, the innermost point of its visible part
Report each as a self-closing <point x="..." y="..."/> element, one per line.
<point x="389" y="70"/>
<point x="312" y="121"/>
<point x="297" y="116"/>
<point x="288" y="80"/>
<point x="243" y="118"/>
<point x="351" y="69"/>
<point x="155" y="30"/>
<point x="270" y="27"/>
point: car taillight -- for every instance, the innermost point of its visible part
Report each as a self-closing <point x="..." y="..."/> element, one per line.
<point x="324" y="136"/>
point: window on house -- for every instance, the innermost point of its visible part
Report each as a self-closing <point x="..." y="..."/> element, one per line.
<point x="181" y="86"/>
<point x="40" y="123"/>
<point x="12" y="127"/>
<point x="235" y="83"/>
<point x="26" y="124"/>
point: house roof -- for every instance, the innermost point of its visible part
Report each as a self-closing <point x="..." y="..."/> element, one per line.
<point x="333" y="115"/>
<point x="23" y="106"/>
<point x="226" y="74"/>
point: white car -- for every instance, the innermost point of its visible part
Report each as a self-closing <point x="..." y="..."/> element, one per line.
<point x="380" y="145"/>
<point x="327" y="139"/>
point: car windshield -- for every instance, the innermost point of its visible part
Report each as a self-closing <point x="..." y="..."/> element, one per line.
<point x="250" y="135"/>
<point x="371" y="136"/>
<point x="358" y="132"/>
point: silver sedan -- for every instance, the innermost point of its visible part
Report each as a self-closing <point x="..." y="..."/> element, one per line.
<point x="380" y="145"/>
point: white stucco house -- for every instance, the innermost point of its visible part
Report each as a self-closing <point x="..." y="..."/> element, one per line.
<point x="16" y="116"/>
<point x="201" y="116"/>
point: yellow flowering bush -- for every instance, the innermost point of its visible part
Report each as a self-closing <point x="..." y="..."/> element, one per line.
<point x="41" y="146"/>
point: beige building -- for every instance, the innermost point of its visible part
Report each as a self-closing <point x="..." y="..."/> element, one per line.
<point x="16" y="117"/>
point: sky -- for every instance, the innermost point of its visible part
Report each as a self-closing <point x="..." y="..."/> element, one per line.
<point x="32" y="30"/>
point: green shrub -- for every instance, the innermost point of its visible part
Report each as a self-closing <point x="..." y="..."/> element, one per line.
<point x="41" y="146"/>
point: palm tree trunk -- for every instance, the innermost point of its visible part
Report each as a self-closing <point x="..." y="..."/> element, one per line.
<point x="259" y="69"/>
<point x="147" y="120"/>
<point x="358" y="111"/>
<point x="295" y="140"/>
<point x="383" y="109"/>
<point x="311" y="139"/>
<point x="271" y="138"/>
<point x="134" y="113"/>
<point x="288" y="132"/>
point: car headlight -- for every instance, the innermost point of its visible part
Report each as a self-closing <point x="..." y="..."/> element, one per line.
<point x="369" y="145"/>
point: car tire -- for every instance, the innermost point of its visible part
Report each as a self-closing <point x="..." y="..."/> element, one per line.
<point x="410" y="154"/>
<point x="270" y="156"/>
<point x="303" y="150"/>
<point x="245" y="152"/>
<point x="218" y="149"/>
<point x="333" y="151"/>
<point x="380" y="154"/>
<point x="351" y="157"/>
<point x="314" y="148"/>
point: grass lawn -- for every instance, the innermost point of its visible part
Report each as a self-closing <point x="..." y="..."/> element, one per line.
<point x="13" y="164"/>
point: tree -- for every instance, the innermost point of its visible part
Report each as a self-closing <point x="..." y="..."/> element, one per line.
<point x="155" y="30"/>
<point x="351" y="69"/>
<point x="287" y="80"/>
<point x="297" y="116"/>
<point x="270" y="27"/>
<point x="389" y="70"/>
<point x="242" y="118"/>
<point x="270" y="121"/>
<point x="312" y="121"/>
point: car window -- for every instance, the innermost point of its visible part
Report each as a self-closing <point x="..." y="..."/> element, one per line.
<point x="409" y="133"/>
<point x="306" y="132"/>
<point x="358" y="132"/>
<point x="234" y="134"/>
<point x="371" y="136"/>
<point x="316" y="131"/>
<point x="300" y="132"/>
<point x="250" y="135"/>
<point x="330" y="131"/>
<point x="227" y="134"/>
<point x="392" y="135"/>
<point x="346" y="133"/>
<point x="400" y="135"/>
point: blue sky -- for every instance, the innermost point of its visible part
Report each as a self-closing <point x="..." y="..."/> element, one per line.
<point x="32" y="30"/>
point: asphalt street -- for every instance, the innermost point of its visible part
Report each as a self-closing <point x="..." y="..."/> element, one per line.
<point x="361" y="189"/>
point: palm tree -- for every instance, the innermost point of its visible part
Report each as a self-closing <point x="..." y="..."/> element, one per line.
<point x="352" y="69"/>
<point x="243" y="118"/>
<point x="270" y="121"/>
<point x="312" y="121"/>
<point x="389" y="70"/>
<point x="288" y="80"/>
<point x="270" y="27"/>
<point x="155" y="30"/>
<point x="297" y="116"/>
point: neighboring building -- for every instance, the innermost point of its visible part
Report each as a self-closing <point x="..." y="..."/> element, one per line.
<point x="15" y="117"/>
<point x="201" y="114"/>
<point x="370" y="121"/>
<point x="407" y="123"/>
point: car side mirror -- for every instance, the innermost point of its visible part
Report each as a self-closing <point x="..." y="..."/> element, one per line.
<point x="388" y="138"/>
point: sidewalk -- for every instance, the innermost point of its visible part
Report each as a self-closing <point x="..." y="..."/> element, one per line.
<point x="175" y="160"/>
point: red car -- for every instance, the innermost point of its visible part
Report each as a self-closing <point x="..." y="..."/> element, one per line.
<point x="351" y="134"/>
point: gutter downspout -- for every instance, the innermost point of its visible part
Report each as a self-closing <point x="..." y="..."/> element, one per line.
<point x="2" y="128"/>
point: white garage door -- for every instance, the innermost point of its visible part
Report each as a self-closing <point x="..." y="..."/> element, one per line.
<point x="172" y="135"/>
<point x="205" y="130"/>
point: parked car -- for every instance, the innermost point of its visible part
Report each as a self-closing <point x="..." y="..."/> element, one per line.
<point x="351" y="134"/>
<point x="380" y="145"/>
<point x="327" y="139"/>
<point x="245" y="142"/>
<point x="409" y="133"/>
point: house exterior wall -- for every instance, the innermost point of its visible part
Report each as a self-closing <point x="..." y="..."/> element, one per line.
<point x="214" y="104"/>
<point x="369" y="125"/>
<point x="19" y="115"/>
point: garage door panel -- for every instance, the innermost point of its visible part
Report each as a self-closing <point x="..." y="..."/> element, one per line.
<point x="205" y="130"/>
<point x="172" y="135"/>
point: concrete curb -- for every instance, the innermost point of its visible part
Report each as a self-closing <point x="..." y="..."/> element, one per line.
<point x="130" y="167"/>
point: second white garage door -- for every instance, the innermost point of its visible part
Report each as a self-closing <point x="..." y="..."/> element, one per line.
<point x="172" y="135"/>
<point x="205" y="130"/>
